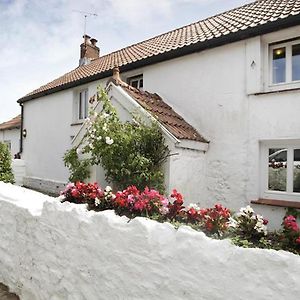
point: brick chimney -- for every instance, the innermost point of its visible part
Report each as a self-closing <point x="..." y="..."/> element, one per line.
<point x="88" y="50"/>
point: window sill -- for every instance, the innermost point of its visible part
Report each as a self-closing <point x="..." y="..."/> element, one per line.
<point x="278" y="91"/>
<point x="77" y="123"/>
<point x="279" y="203"/>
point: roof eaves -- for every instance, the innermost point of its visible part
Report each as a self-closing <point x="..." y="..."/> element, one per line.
<point x="178" y="52"/>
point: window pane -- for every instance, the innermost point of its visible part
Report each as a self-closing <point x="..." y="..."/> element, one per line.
<point x="296" y="62"/>
<point x="86" y="107"/>
<point x="277" y="169"/>
<point x="141" y="83"/>
<point x="279" y="65"/>
<point x="297" y="170"/>
<point x="80" y="106"/>
<point x="134" y="83"/>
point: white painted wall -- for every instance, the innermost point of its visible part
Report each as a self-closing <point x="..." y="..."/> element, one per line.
<point x="53" y="251"/>
<point x="209" y="92"/>
<point x="19" y="171"/>
<point x="51" y="124"/>
<point x="12" y="136"/>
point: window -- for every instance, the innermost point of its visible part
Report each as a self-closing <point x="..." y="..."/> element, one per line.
<point x="136" y="82"/>
<point x="83" y="105"/>
<point x="281" y="170"/>
<point x="285" y="62"/>
<point x="8" y="143"/>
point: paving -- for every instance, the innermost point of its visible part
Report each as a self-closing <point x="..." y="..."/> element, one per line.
<point x="5" y="294"/>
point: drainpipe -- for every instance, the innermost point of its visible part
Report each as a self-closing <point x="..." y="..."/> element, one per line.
<point x="21" y="131"/>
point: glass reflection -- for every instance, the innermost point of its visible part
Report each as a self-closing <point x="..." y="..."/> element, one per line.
<point x="277" y="169"/>
<point x="296" y="62"/>
<point x="279" y="65"/>
<point x="296" y="170"/>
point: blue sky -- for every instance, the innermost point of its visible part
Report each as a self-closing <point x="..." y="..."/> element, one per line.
<point x="40" y="39"/>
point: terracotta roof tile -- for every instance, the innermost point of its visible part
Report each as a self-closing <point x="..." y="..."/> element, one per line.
<point x="11" y="124"/>
<point x="228" y="23"/>
<point x="163" y="112"/>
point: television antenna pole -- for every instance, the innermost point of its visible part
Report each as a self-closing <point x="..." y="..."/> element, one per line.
<point x="86" y="14"/>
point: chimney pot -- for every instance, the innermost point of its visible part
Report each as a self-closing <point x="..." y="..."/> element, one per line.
<point x="93" y="41"/>
<point x="86" y="38"/>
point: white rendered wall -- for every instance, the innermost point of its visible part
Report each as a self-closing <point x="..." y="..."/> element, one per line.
<point x="53" y="251"/>
<point x="208" y="90"/>
<point x="19" y="171"/>
<point x="51" y="124"/>
<point x="12" y="136"/>
<point x="186" y="174"/>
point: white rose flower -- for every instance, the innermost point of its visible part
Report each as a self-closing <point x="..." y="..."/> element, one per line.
<point x="97" y="202"/>
<point x="233" y="223"/>
<point x="108" y="189"/>
<point x="193" y="205"/>
<point x="108" y="140"/>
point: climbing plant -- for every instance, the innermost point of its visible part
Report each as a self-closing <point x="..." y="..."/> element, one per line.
<point x="131" y="153"/>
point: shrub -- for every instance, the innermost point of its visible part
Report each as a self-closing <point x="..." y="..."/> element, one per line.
<point x="6" y="174"/>
<point x="131" y="153"/>
<point x="248" y="225"/>
<point x="290" y="236"/>
<point x="147" y="203"/>
<point x="79" y="169"/>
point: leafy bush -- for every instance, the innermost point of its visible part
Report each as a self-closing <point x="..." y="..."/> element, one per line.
<point x="79" y="169"/>
<point x="131" y="153"/>
<point x="290" y="237"/>
<point x="6" y="174"/>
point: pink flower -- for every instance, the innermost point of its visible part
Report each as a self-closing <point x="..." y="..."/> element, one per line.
<point x="298" y="240"/>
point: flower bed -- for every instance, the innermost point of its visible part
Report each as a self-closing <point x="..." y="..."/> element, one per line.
<point x="245" y="228"/>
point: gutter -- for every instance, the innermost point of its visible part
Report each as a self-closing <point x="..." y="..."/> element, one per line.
<point x="178" y="52"/>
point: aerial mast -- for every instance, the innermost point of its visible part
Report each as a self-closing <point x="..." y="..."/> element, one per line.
<point x="86" y="14"/>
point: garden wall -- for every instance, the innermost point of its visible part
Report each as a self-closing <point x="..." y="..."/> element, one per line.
<point x="51" y="251"/>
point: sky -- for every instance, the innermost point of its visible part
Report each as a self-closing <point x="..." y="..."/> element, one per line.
<point x="39" y="40"/>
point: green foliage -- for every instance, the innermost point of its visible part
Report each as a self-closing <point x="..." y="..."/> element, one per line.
<point x="293" y="211"/>
<point x="131" y="153"/>
<point x="6" y="174"/>
<point x="79" y="169"/>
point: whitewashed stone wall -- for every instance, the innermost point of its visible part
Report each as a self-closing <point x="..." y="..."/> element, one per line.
<point x="53" y="251"/>
<point x="19" y="171"/>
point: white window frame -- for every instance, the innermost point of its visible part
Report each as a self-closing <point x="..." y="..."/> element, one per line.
<point x="137" y="78"/>
<point x="82" y="110"/>
<point x="265" y="193"/>
<point x="288" y="57"/>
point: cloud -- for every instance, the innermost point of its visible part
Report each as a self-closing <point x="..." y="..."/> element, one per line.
<point x="40" y="39"/>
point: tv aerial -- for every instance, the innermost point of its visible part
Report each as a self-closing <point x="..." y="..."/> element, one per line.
<point x="86" y="14"/>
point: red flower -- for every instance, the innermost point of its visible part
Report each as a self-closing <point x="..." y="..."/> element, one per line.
<point x="75" y="193"/>
<point x="290" y="223"/>
<point x="265" y="221"/>
<point x="298" y="240"/>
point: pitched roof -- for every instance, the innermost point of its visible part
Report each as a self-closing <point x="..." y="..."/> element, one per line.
<point x="252" y="19"/>
<point x="164" y="113"/>
<point x="11" y="124"/>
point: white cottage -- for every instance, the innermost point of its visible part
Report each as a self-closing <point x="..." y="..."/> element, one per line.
<point x="10" y="134"/>
<point x="234" y="78"/>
